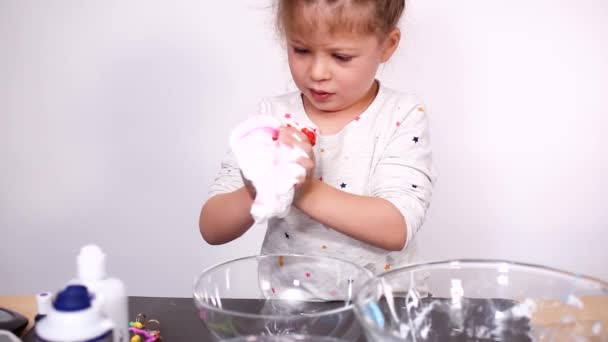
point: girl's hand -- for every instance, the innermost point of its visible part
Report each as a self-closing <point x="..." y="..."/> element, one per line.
<point x="290" y="136"/>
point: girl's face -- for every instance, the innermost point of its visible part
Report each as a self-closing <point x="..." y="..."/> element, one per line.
<point x="336" y="72"/>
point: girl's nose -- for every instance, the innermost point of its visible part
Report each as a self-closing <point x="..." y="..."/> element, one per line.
<point x="320" y="71"/>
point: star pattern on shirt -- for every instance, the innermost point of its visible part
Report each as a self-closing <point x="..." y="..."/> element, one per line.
<point x="415" y="140"/>
<point x="343" y="185"/>
<point x="414" y="186"/>
<point x="287" y="235"/>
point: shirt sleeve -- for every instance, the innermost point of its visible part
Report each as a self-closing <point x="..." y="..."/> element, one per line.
<point x="404" y="174"/>
<point x="229" y="178"/>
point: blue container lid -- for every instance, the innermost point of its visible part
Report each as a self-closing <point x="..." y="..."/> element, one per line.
<point x="73" y="298"/>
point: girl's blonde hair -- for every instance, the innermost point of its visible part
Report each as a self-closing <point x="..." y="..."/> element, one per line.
<point x="355" y="16"/>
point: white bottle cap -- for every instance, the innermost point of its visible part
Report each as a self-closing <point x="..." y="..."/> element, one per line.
<point x="44" y="303"/>
<point x="91" y="263"/>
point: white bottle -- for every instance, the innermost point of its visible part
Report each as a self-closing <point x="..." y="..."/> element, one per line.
<point x="110" y="291"/>
<point x="72" y="318"/>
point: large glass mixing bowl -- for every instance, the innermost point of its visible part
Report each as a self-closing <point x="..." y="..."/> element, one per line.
<point x="285" y="338"/>
<point x="483" y="300"/>
<point x="280" y="295"/>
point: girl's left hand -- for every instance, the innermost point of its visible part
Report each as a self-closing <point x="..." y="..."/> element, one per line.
<point x="291" y="136"/>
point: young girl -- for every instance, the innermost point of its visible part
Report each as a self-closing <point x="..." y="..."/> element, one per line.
<point x="368" y="187"/>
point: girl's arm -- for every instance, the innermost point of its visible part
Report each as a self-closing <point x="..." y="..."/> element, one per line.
<point x="369" y="219"/>
<point x="226" y="214"/>
<point x="400" y="190"/>
<point x="225" y="217"/>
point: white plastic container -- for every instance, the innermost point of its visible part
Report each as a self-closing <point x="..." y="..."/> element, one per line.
<point x="44" y="304"/>
<point x="111" y="292"/>
<point x="73" y="318"/>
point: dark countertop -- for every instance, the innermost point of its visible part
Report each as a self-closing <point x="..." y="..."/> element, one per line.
<point x="178" y="317"/>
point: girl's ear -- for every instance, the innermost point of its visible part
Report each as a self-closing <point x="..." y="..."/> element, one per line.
<point x="390" y="44"/>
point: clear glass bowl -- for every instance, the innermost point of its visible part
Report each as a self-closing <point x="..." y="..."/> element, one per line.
<point x="483" y="300"/>
<point x="281" y="295"/>
<point x="285" y="338"/>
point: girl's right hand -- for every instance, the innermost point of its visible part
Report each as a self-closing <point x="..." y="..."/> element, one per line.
<point x="295" y="138"/>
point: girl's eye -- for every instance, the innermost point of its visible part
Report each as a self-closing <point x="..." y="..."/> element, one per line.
<point x="300" y="51"/>
<point x="343" y="58"/>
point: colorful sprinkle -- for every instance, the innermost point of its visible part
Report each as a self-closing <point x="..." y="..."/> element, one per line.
<point x="281" y="261"/>
<point x="387" y="267"/>
<point x="398" y="123"/>
<point x="307" y="274"/>
<point x="150" y="336"/>
<point x="421" y="109"/>
<point x="138" y="325"/>
<point x="287" y="116"/>
<point x="324" y="247"/>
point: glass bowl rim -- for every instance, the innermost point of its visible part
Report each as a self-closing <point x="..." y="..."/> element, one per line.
<point x="454" y="263"/>
<point x="350" y="306"/>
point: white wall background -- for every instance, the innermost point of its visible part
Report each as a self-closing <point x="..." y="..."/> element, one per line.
<point x="114" y="116"/>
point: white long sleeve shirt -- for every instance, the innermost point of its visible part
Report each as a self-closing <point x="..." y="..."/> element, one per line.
<point x="385" y="152"/>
